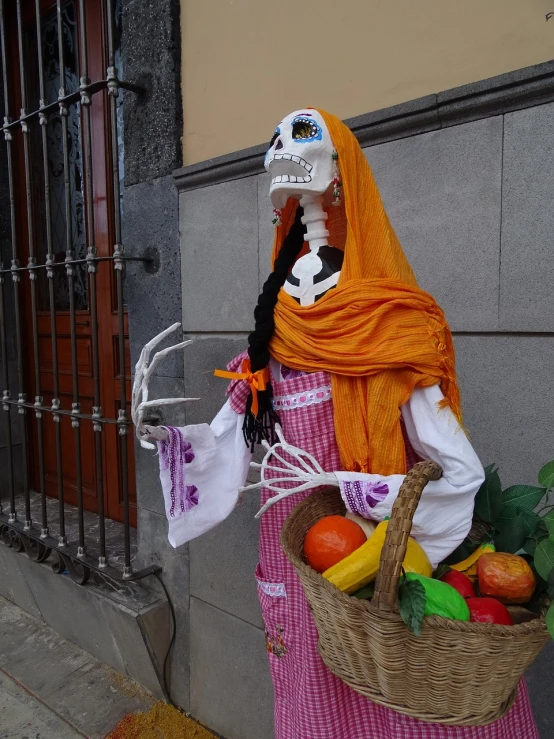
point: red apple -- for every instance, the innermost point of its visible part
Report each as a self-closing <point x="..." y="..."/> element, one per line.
<point x="459" y="582"/>
<point x="488" y="611"/>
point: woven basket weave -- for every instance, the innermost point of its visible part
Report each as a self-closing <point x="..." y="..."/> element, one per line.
<point x="455" y="672"/>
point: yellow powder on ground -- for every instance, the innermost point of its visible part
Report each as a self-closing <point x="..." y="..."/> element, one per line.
<point x="162" y="721"/>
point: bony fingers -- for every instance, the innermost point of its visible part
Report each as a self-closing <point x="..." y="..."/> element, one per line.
<point x="254" y="486"/>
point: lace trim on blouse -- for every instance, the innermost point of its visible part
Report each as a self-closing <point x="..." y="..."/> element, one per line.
<point x="302" y="399"/>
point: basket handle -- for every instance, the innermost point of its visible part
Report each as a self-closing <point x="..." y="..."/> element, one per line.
<point x="398" y="531"/>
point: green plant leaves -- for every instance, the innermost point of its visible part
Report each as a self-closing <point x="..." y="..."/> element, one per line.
<point x="488" y="500"/>
<point x="550" y="620"/>
<point x="549" y="522"/>
<point x="523" y="496"/>
<point x="546" y="475"/>
<point x="412" y="598"/>
<point x="514" y="526"/>
<point x="544" y="558"/>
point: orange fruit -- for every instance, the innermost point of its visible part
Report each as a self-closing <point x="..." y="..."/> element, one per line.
<point x="330" y="540"/>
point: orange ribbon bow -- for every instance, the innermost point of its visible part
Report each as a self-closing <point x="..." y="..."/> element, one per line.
<point x="257" y="380"/>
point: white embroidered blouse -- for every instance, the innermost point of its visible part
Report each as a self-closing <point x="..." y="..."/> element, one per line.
<point x="214" y="459"/>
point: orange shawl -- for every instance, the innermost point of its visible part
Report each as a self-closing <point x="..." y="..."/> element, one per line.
<point x="377" y="333"/>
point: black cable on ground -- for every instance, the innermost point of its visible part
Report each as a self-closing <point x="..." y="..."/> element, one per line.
<point x="171" y="644"/>
<point x="170" y="647"/>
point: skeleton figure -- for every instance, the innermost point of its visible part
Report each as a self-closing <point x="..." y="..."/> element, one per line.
<point x="203" y="468"/>
<point x="300" y="162"/>
<point x="144" y="369"/>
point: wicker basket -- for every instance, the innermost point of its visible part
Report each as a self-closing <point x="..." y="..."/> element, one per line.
<point x="455" y="672"/>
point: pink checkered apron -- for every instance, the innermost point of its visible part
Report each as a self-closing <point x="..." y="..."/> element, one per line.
<point x="310" y="702"/>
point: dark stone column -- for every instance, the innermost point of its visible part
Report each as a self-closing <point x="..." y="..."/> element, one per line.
<point x="153" y="125"/>
<point x="153" y="122"/>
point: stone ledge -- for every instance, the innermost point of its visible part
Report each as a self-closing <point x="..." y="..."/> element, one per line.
<point x="127" y="627"/>
<point x="522" y="88"/>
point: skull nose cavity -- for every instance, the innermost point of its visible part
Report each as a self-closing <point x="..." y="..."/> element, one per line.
<point x="278" y="144"/>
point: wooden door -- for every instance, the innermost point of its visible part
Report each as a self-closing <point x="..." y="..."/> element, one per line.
<point x="103" y="205"/>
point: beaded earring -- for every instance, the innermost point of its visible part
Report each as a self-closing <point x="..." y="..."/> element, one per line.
<point x="336" y="180"/>
<point x="277" y="217"/>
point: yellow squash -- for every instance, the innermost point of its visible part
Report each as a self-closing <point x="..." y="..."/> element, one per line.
<point x="469" y="565"/>
<point x="361" y="567"/>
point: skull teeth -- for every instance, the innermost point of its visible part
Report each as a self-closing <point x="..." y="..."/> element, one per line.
<point x="290" y="178"/>
<point x="298" y="160"/>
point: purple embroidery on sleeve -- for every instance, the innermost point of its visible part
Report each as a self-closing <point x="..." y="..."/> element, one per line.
<point x="191" y="495"/>
<point x="174" y="455"/>
<point x="378" y="492"/>
<point x="362" y="496"/>
<point x="164" y="454"/>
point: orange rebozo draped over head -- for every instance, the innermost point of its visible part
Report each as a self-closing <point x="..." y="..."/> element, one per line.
<point x="377" y="333"/>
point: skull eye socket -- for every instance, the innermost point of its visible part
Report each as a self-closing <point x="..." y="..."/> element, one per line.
<point x="274" y="137"/>
<point x="305" y="130"/>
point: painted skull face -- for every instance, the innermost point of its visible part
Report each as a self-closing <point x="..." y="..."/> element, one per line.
<point x="300" y="157"/>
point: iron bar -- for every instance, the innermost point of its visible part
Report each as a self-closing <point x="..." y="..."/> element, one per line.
<point x="62" y="412"/>
<point x="73" y="556"/>
<point x="18" y="333"/>
<point x="97" y="408"/>
<point x="76" y="409"/>
<point x="71" y="553"/>
<point x="6" y="407"/>
<point x="33" y="287"/>
<point x="66" y="262"/>
<point x="86" y="148"/>
<point x="69" y="99"/>
<point x="49" y="260"/>
<point x="113" y="93"/>
<point x="64" y="113"/>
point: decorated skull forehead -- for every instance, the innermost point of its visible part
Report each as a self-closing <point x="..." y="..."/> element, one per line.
<point x="300" y="157"/>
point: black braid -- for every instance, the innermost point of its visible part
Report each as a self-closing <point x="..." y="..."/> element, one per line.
<point x="256" y="428"/>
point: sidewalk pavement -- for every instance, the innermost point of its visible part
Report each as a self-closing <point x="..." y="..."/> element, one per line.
<point x="52" y="689"/>
<point x="25" y="717"/>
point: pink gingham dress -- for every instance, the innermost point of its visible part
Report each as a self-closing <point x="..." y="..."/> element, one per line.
<point x="310" y="702"/>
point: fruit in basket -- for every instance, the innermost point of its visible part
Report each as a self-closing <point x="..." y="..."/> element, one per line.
<point x="364" y="523"/>
<point x="459" y="582"/>
<point x="469" y="565"/>
<point x="507" y="577"/>
<point x="441" y="599"/>
<point x="330" y="540"/>
<point x="361" y="567"/>
<point x="488" y="611"/>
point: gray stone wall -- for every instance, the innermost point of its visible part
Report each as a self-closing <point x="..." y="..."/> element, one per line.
<point x="471" y="205"/>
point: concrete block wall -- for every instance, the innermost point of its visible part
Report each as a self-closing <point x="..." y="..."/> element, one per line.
<point x="470" y="200"/>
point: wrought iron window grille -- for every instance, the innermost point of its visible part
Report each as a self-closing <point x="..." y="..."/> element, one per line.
<point x="25" y="535"/>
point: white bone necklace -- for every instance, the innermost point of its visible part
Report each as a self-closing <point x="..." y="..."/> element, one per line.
<point x="318" y="271"/>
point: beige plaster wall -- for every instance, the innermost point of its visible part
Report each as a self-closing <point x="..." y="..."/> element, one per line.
<point x="246" y="63"/>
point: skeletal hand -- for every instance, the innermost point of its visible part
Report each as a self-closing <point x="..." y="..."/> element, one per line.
<point x="307" y="473"/>
<point x="143" y="374"/>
